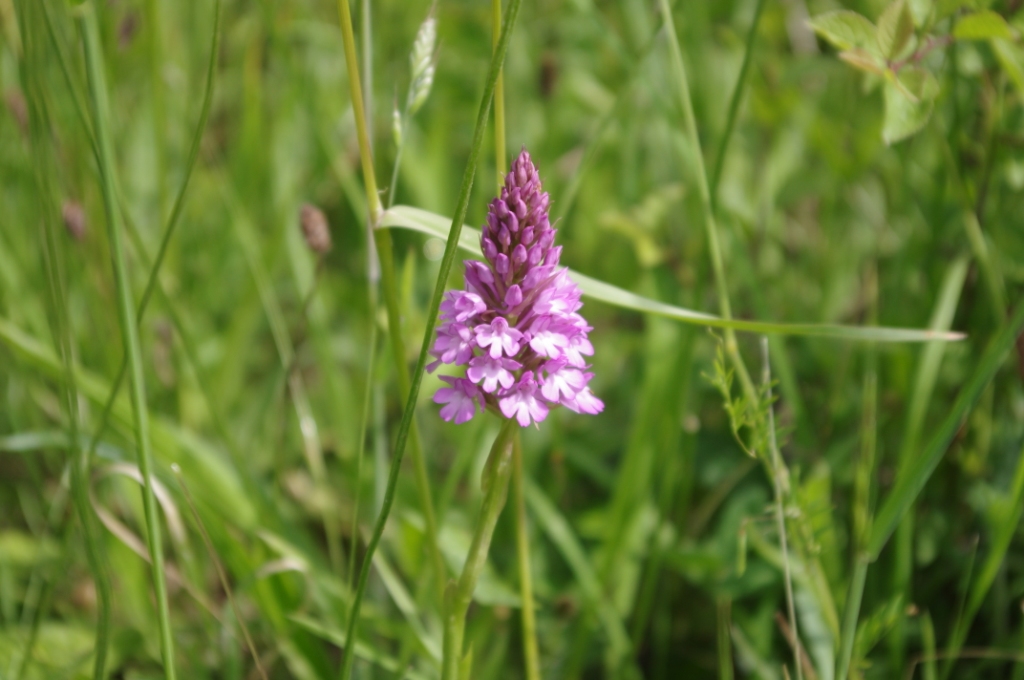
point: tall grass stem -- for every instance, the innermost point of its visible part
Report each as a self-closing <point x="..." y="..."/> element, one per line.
<point x="447" y="261"/>
<point x="710" y="223"/>
<point x="129" y="327"/>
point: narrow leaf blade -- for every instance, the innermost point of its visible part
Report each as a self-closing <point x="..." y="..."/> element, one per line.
<point x="469" y="240"/>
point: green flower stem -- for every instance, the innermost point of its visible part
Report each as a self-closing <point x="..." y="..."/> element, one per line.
<point x="129" y="328"/>
<point x="530" y="652"/>
<point x="459" y="593"/>
<point x="531" y="656"/>
<point x="710" y="225"/>
<point x="451" y="249"/>
<point x="389" y="286"/>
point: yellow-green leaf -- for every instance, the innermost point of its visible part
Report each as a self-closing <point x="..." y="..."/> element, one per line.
<point x="863" y="60"/>
<point x="982" y="26"/>
<point x="903" y="116"/>
<point x="845" y="29"/>
<point x="895" y="27"/>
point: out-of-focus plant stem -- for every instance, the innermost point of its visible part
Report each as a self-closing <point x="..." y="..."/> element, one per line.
<point x="459" y="593"/>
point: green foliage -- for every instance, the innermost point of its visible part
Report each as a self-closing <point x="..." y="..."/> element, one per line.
<point x="876" y="137"/>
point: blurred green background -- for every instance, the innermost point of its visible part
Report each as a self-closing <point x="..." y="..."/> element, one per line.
<point x="653" y="542"/>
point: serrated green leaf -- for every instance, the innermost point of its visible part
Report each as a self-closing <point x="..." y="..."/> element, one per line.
<point x="903" y="116"/>
<point x="846" y="30"/>
<point x="982" y="26"/>
<point x="426" y="222"/>
<point x="895" y="27"/>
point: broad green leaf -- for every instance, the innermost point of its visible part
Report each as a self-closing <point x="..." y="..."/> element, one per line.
<point x="895" y="27"/>
<point x="903" y="116"/>
<point x="863" y="60"/>
<point x="846" y="30"/>
<point x="911" y="478"/>
<point x="469" y="240"/>
<point x="982" y="26"/>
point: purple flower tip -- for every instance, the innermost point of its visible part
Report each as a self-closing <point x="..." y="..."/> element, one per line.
<point x="517" y="326"/>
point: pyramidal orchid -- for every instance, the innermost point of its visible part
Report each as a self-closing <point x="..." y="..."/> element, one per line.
<point x="516" y="327"/>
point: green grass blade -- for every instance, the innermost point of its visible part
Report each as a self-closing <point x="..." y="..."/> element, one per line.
<point x="447" y="261"/>
<point x="1005" y="526"/>
<point x="734" y="105"/>
<point x="920" y="396"/>
<point x="469" y="240"/>
<point x="63" y="335"/>
<point x="129" y="328"/>
<point x="558" y="529"/>
<point x="912" y="479"/>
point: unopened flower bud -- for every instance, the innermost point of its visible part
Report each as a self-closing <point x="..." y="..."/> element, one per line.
<point x="74" y="219"/>
<point x="315" y="228"/>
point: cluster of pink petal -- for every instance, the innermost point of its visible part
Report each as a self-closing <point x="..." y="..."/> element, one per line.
<point x="516" y="327"/>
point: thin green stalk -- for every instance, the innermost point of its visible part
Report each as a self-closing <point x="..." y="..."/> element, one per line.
<point x="920" y="396"/>
<point x="79" y="462"/>
<point x="499" y="99"/>
<point x="530" y="652"/>
<point x="447" y="261"/>
<point x="724" y="642"/>
<point x="157" y="101"/>
<point x="176" y="210"/>
<point x="363" y="427"/>
<point x="780" y="487"/>
<point x="852" y="613"/>
<point x="710" y="225"/>
<point x="129" y="328"/>
<point x="459" y="594"/>
<point x="385" y="252"/>
<point x="734" y="106"/>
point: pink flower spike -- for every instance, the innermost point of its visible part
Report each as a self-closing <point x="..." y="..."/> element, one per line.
<point x="578" y="346"/>
<point x="462" y="399"/>
<point x="493" y="372"/>
<point x="453" y="345"/>
<point x="458" y="305"/>
<point x="562" y="382"/>
<point x="522" y="403"/>
<point x="585" y="402"/>
<point x="498" y="335"/>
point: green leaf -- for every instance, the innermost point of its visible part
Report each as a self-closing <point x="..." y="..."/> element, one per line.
<point x="863" y="60"/>
<point x="846" y="30"/>
<point x="916" y="83"/>
<point x="903" y="115"/>
<point x="1011" y="56"/>
<point x="895" y="27"/>
<point x="469" y="240"/>
<point x="982" y="26"/>
<point x="911" y="478"/>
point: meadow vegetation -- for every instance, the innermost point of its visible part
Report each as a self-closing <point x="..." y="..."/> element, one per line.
<point x="225" y="231"/>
